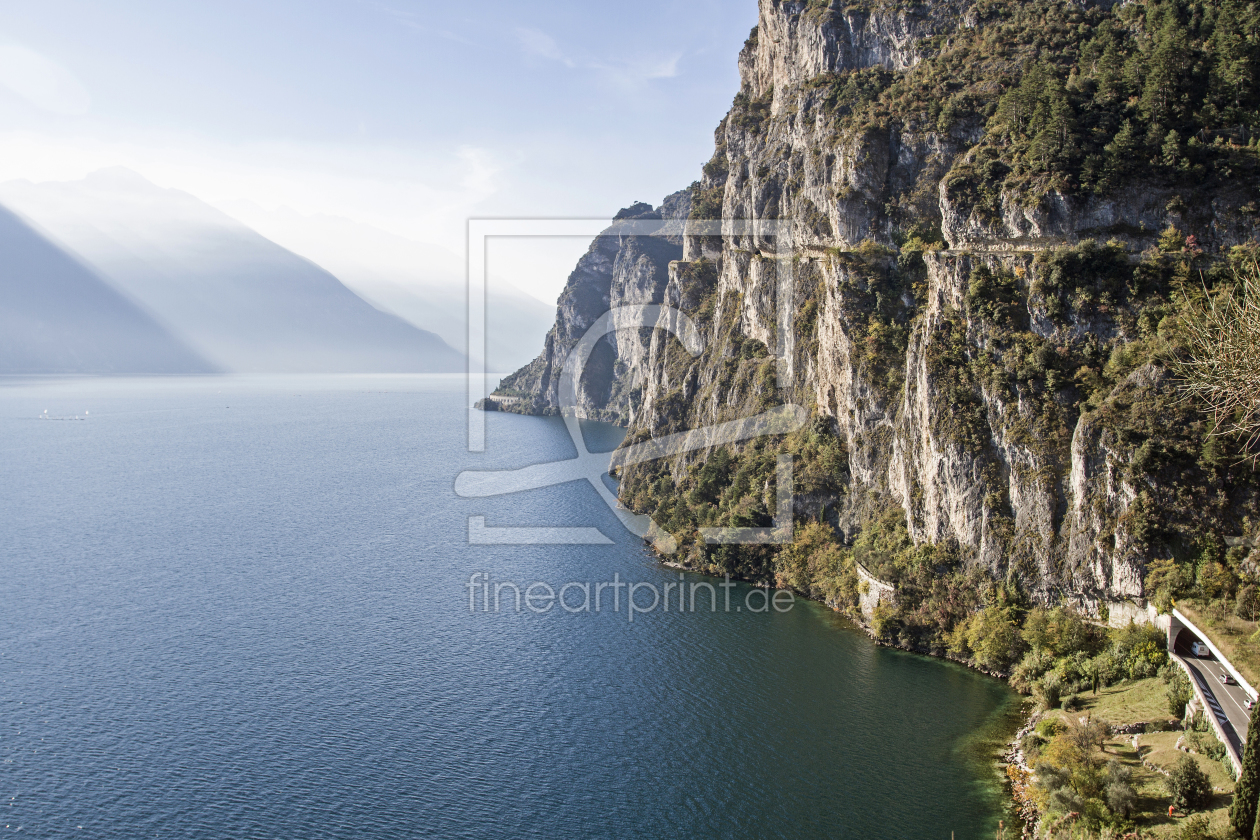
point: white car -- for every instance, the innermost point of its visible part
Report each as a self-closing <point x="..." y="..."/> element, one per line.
<point x="1249" y="703"/>
<point x="1200" y="650"/>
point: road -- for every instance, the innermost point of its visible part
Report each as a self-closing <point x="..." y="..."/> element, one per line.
<point x="1226" y="701"/>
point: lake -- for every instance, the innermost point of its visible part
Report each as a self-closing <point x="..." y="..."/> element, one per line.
<point x="240" y="607"/>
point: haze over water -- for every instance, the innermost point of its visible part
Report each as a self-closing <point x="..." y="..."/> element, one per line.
<point x="238" y="608"/>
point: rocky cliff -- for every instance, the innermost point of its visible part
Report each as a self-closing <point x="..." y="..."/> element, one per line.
<point x="994" y="227"/>
<point x="620" y="269"/>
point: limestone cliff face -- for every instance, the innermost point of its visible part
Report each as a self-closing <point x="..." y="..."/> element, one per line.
<point x="797" y="41"/>
<point x="1132" y="215"/>
<point x="972" y="407"/>
<point x="618" y="270"/>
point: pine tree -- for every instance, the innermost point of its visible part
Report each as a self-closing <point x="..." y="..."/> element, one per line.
<point x="1170" y="150"/>
<point x="1017" y="108"/>
<point x="1167" y="65"/>
<point x="1234" y="57"/>
<point x="1121" y="152"/>
<point x="1110" y="74"/>
<point x="1242" y="814"/>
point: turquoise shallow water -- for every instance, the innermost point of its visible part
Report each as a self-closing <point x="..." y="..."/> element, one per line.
<point x="238" y="608"/>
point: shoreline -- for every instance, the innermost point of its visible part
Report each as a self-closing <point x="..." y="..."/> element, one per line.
<point x="1011" y="765"/>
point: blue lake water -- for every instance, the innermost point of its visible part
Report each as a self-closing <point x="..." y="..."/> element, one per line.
<point x="238" y="608"/>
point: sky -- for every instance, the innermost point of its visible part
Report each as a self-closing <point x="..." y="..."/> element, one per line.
<point x="409" y="117"/>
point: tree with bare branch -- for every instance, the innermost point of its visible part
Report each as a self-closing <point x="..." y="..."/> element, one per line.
<point x="1222" y="365"/>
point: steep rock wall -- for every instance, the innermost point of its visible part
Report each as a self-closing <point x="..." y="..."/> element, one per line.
<point x="967" y="382"/>
<point x="617" y="270"/>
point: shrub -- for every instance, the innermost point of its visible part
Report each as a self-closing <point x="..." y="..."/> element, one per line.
<point x="1188" y="785"/>
<point x="1047" y="691"/>
<point x="1031" y="743"/>
<point x="1141" y="649"/>
<point x="1034" y="664"/>
<point x="1107" y="668"/>
<point x="1196" y="828"/>
<point x="1121" y="797"/>
<point x="1048" y="728"/>
<point x="992" y="635"/>
<point x="1075" y="671"/>
<point x="884" y="623"/>
<point x="1205" y="744"/>
<point x="812" y="561"/>
<point x="1178" y="691"/>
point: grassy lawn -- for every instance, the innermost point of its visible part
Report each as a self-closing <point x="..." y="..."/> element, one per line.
<point x="1145" y="701"/>
<point x="1128" y="702"/>
<point x="1152" y="813"/>
<point x="1229" y="633"/>
<point x="1158" y="748"/>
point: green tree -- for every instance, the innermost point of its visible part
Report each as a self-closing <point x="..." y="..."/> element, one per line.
<point x="1215" y="581"/>
<point x="1235" y="58"/>
<point x="992" y="636"/>
<point x="1017" y="108"/>
<point x="1188" y="785"/>
<point x="1165" y="580"/>
<point x="1121" y="150"/>
<point x="1178" y="691"/>
<point x="1243" y="813"/>
<point x="1170" y="151"/>
<point x="1060" y="631"/>
<point x="1055" y="124"/>
<point x="1109" y="68"/>
<point x="1166" y="70"/>
<point x="810" y="561"/>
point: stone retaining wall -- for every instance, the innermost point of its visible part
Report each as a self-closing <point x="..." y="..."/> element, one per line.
<point x="872" y="592"/>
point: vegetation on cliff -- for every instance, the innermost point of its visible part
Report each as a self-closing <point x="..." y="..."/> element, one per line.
<point x="1065" y="341"/>
<point x="1221" y="368"/>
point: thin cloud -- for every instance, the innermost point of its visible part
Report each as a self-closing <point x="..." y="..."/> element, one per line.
<point x="539" y="44"/>
<point x="633" y="74"/>
<point x="626" y="74"/>
<point x="411" y="20"/>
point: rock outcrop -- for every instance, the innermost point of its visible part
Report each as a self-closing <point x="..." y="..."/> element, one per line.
<point x="619" y="269"/>
<point x="985" y="367"/>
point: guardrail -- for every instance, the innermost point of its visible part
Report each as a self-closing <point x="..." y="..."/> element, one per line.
<point x="1187" y="623"/>
<point x="1234" y="759"/>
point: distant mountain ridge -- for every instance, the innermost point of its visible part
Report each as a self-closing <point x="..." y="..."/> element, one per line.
<point x="422" y="283"/>
<point x="58" y="316"/>
<point x="237" y="299"/>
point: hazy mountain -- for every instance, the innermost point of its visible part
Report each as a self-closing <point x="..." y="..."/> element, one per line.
<point x="58" y="316"/>
<point x="238" y="299"/>
<point x="422" y="283"/>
